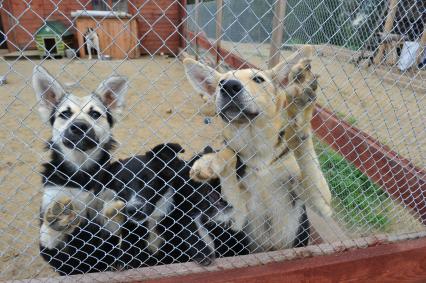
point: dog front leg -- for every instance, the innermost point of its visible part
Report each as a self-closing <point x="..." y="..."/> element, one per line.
<point x="222" y="165"/>
<point x="109" y="211"/>
<point x="112" y="216"/>
<point x="97" y="47"/>
<point x="197" y="247"/>
<point x="70" y="242"/>
<point x="301" y="99"/>
<point x="89" y="51"/>
<point x="98" y="51"/>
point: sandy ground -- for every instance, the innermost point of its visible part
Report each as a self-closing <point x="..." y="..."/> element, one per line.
<point x="157" y="86"/>
<point x="391" y="113"/>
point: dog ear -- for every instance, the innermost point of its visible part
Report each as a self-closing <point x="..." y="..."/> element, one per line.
<point x="48" y="90"/>
<point x="166" y="160"/>
<point x="111" y="92"/>
<point x="280" y="73"/>
<point x="202" y="78"/>
<point x="167" y="151"/>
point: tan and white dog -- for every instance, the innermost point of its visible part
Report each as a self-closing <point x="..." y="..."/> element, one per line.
<point x="281" y="168"/>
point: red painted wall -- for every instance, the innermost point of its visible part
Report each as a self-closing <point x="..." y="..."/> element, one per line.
<point x="158" y="21"/>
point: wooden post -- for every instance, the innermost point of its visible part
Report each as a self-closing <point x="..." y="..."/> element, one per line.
<point x="422" y="47"/>
<point x="219" y="17"/>
<point x="277" y="32"/>
<point x="393" y="6"/>
<point x="183" y="27"/>
<point x="197" y="4"/>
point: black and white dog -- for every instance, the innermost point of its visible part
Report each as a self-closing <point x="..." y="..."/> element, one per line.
<point x="141" y="211"/>
<point x="79" y="223"/>
<point x="169" y="215"/>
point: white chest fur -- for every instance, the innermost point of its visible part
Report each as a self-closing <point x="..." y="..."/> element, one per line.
<point x="273" y="214"/>
<point x="254" y="143"/>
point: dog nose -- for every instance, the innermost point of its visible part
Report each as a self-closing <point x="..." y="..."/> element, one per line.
<point x="79" y="128"/>
<point x="231" y="88"/>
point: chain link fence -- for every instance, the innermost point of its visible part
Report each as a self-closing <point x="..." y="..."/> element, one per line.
<point x="122" y="161"/>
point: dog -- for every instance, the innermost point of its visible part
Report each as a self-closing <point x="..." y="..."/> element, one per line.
<point x="92" y="42"/>
<point x="80" y="224"/>
<point x="167" y="212"/>
<point x="280" y="170"/>
<point x="98" y="215"/>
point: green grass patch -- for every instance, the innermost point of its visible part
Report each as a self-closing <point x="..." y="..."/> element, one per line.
<point x="350" y="119"/>
<point x="357" y="200"/>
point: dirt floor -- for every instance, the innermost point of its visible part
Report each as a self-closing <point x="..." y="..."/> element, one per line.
<point x="391" y="112"/>
<point x="161" y="107"/>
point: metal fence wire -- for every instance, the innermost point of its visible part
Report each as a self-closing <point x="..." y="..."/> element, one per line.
<point x="119" y="150"/>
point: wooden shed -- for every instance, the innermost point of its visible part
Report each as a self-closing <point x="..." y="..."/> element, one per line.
<point x="117" y="32"/>
<point x="53" y="38"/>
<point x="159" y="22"/>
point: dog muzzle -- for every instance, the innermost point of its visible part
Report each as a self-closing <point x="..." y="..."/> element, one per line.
<point x="232" y="103"/>
<point x="80" y="135"/>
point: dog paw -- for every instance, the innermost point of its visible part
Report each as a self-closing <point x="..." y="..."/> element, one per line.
<point x="204" y="259"/>
<point x="303" y="96"/>
<point x="61" y="216"/>
<point x="112" y="216"/>
<point x="301" y="72"/>
<point x="238" y="223"/>
<point x="113" y="211"/>
<point x="235" y="221"/>
<point x="205" y="169"/>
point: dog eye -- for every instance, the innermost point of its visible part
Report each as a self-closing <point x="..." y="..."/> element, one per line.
<point x="94" y="114"/>
<point x="258" y="79"/>
<point x="65" y="114"/>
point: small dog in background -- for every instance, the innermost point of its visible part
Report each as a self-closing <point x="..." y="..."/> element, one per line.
<point x="92" y="42"/>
